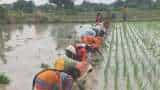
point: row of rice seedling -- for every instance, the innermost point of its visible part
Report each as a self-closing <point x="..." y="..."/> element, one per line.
<point x="142" y="47"/>
<point x="151" y="58"/>
<point x="152" y="72"/>
<point x="129" y="45"/>
<point x="129" y="65"/>
<point x="153" y="37"/>
<point x="120" y="58"/>
<point x="116" y="61"/>
<point x="123" y="53"/>
<point x="152" y="49"/>
<point x="106" y="71"/>
<point x="105" y="64"/>
<point x="144" y="64"/>
<point x="137" y="58"/>
<point x="116" y="74"/>
<point x="126" y="77"/>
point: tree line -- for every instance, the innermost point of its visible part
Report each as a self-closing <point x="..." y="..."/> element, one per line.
<point x="138" y="3"/>
<point x="69" y="7"/>
<point x="29" y="6"/>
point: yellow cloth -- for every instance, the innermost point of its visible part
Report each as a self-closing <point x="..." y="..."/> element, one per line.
<point x="59" y="63"/>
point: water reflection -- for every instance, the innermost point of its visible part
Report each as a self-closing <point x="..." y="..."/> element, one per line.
<point x="4" y="37"/>
<point x="64" y="35"/>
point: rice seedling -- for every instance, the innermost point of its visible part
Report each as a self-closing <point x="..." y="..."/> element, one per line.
<point x="124" y="56"/>
<point x="128" y="86"/>
<point x="116" y="63"/>
<point x="109" y="58"/>
<point x="138" y="65"/>
<point x="4" y="79"/>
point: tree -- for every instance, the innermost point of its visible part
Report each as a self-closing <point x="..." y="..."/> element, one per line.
<point x="157" y="4"/>
<point x="3" y="14"/>
<point x="88" y="6"/>
<point x="22" y="5"/>
<point x="46" y="8"/>
<point x="135" y="3"/>
<point x="63" y="3"/>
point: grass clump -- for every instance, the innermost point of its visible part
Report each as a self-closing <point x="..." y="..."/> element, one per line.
<point x="4" y="79"/>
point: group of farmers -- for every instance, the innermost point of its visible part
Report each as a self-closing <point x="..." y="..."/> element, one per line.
<point x="77" y="62"/>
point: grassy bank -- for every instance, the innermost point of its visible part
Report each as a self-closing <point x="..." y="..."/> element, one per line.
<point x="78" y="16"/>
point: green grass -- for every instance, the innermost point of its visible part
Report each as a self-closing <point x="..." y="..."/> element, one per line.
<point x="4" y="79"/>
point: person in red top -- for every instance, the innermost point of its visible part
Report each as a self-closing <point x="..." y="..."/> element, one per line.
<point x="77" y="52"/>
<point x="81" y="52"/>
<point x="98" y="18"/>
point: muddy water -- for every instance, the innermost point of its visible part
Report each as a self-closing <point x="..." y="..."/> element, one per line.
<point x="23" y="48"/>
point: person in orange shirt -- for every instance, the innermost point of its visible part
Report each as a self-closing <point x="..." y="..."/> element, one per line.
<point x="99" y="18"/>
<point x="48" y="80"/>
<point x="55" y="79"/>
<point x="94" y="41"/>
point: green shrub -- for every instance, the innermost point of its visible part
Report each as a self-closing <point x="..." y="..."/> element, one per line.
<point x="4" y="79"/>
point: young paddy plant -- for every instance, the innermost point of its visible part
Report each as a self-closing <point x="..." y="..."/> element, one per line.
<point x="109" y="57"/>
<point x="128" y="45"/>
<point x="143" y="67"/>
<point x="136" y="69"/>
<point x="136" y="57"/>
<point x="141" y="47"/>
<point x="4" y="80"/>
<point x="152" y="72"/>
<point x="116" y="64"/>
<point x="151" y="42"/>
<point x="124" y="54"/>
<point x="135" y="65"/>
<point x="156" y="84"/>
<point x="128" y="85"/>
<point x="124" y="68"/>
<point x="140" y="83"/>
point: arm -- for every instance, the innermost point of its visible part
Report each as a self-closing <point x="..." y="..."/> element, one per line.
<point x="84" y="54"/>
<point x="97" y="50"/>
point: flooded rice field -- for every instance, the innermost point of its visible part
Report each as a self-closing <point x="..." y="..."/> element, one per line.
<point x="132" y="55"/>
<point x="23" y="48"/>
